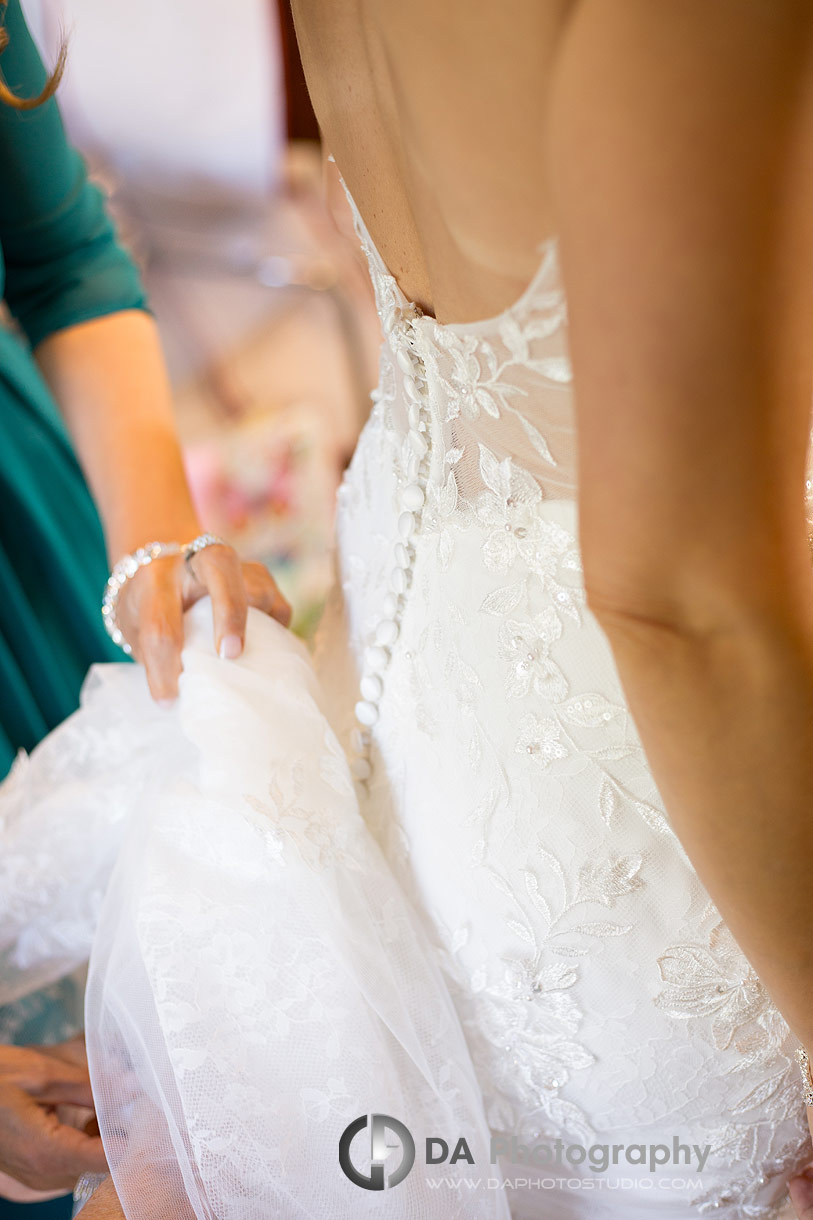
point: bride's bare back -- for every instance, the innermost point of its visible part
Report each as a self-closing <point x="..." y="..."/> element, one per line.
<point x="436" y="116"/>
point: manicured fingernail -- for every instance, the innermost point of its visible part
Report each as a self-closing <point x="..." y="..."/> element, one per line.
<point x="230" y="647"/>
<point x="166" y="704"/>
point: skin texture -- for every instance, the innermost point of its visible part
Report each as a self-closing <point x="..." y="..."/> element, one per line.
<point x="109" y="378"/>
<point x="433" y="115"/>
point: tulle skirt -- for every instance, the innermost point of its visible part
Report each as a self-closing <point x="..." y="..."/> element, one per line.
<point x="268" y="1033"/>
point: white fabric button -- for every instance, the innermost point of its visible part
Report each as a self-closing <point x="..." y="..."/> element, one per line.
<point x="414" y="416"/>
<point x="412" y="388"/>
<point x="386" y="632"/>
<point x="418" y="443"/>
<point x="390" y="605"/>
<point x="401" y="555"/>
<point x="406" y="524"/>
<point x="376" y="657"/>
<point x="413" y="496"/>
<point x="406" y="361"/>
<point x="393" y="318"/>
<point x="398" y="580"/>
<point x="366" y="712"/>
<point x="360" y="768"/>
<point x="371" y="687"/>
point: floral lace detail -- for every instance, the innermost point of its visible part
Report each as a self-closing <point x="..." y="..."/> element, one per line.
<point x="291" y="817"/>
<point x="711" y="984"/>
<point x="714" y="982"/>
<point x="514" y="797"/>
<point x="525" y="1020"/>
<point x="59" y="840"/>
<point x="479" y="379"/>
<point x="526" y="646"/>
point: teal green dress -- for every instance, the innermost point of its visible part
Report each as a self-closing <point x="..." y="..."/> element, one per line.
<point x="60" y="264"/>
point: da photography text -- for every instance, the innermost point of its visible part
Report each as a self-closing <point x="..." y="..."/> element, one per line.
<point x="387" y="1134"/>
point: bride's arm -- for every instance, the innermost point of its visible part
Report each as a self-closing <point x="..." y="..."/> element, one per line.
<point x="681" y="144"/>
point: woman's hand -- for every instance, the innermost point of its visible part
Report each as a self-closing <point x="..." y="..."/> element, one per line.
<point x="41" y="1092"/>
<point x="151" y="607"/>
<point x="110" y="380"/>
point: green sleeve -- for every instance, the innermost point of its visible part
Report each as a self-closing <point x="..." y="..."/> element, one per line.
<point x="63" y="262"/>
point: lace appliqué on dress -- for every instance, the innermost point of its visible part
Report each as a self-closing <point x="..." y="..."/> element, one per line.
<point x="568" y="919"/>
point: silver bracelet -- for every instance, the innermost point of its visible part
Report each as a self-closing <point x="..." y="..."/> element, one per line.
<point x="123" y="571"/>
<point x="200" y="543"/>
<point x="807" y="1078"/>
<point x="85" y="1188"/>
<point x="127" y="567"/>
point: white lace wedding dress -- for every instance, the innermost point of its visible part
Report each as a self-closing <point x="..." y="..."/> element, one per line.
<point x="493" y="934"/>
<point x="603" y="999"/>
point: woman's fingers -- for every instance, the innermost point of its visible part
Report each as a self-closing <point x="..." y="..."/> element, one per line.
<point x="38" y="1148"/>
<point x="151" y="617"/>
<point x="160" y="633"/>
<point x="72" y="1051"/>
<point x="151" y="607"/>
<point x="219" y="570"/>
<point x="263" y="593"/>
<point x="234" y="586"/>
<point x="45" y="1077"/>
<point x="40" y="1151"/>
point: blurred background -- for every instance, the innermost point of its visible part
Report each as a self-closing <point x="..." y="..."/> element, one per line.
<point x="195" y="119"/>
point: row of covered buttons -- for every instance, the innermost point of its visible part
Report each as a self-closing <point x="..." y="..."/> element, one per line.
<point x="401" y="327"/>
